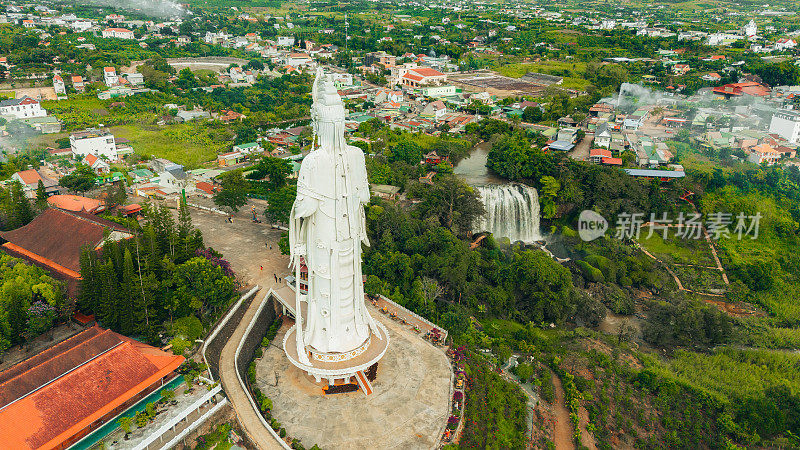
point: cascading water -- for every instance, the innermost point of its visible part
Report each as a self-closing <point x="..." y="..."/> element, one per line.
<point x="512" y="211"/>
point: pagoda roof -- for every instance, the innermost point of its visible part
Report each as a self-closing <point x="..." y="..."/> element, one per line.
<point x="48" y="400"/>
<point x="57" y="236"/>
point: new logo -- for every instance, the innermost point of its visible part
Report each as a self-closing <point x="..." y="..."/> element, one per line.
<point x="591" y="225"/>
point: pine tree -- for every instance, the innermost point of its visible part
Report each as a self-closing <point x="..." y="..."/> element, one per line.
<point x="17" y="318"/>
<point x="90" y="292"/>
<point x="109" y="309"/>
<point x="41" y="196"/>
<point x="21" y="212"/>
<point x="121" y="195"/>
<point x="184" y="231"/>
<point x="129" y="316"/>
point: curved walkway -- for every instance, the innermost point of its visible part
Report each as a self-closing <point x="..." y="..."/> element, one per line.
<point x="249" y="418"/>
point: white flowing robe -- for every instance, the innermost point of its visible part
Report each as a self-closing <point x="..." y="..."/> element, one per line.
<point x="328" y="226"/>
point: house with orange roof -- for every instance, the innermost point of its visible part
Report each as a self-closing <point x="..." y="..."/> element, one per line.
<point x="29" y="179"/>
<point x="596" y="155"/>
<point x="110" y="77"/>
<point x="763" y="153"/>
<point x="751" y="88"/>
<point x="54" y="240"/>
<point x="97" y="164"/>
<point x="58" y="85"/>
<point x="119" y="33"/>
<point x="77" y="83"/>
<point x="76" y="203"/>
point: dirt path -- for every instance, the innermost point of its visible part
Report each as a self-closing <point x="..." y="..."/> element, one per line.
<point x="581" y="151"/>
<point x="562" y="430"/>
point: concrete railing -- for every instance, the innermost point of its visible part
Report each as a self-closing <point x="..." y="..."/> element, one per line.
<point x="174" y="441"/>
<point x="265" y="301"/>
<point x="177" y="419"/>
<point x="223" y="322"/>
<point x="417" y="316"/>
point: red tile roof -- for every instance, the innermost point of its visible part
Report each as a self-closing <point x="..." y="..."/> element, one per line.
<point x="427" y="72"/>
<point x="48" y="400"/>
<point x="30" y="177"/>
<point x="58" y="236"/>
<point x="76" y="203"/>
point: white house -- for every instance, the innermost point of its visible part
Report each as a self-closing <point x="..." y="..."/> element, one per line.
<point x="784" y="44"/>
<point x="298" y="59"/>
<point x="751" y="29"/>
<point x="77" y="83"/>
<point x="435" y="110"/>
<point x="81" y="25"/>
<point x="134" y="78"/>
<point x="120" y="33"/>
<point x="97" y="164"/>
<point x="602" y="136"/>
<point x="59" y="86"/>
<point x="110" y="76"/>
<point x="248" y="149"/>
<point x="420" y="76"/>
<point x="93" y="141"/>
<point x="22" y="108"/>
<point x="786" y="124"/>
<point x="285" y="41"/>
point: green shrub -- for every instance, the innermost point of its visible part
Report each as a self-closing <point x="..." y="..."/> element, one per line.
<point x="589" y="272"/>
<point x="179" y="345"/>
<point x="189" y="327"/>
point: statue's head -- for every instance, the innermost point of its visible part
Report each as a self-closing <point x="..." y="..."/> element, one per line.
<point x="328" y="106"/>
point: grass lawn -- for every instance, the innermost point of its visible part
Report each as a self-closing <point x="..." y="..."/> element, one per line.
<point x="573" y="71"/>
<point x="188" y="144"/>
<point x="676" y="250"/>
<point x="501" y="327"/>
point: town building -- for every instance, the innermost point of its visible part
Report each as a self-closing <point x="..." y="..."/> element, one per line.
<point x="98" y="142"/>
<point x="77" y="83"/>
<point x="29" y="179"/>
<point x="110" y="77"/>
<point x="596" y="155"/>
<point x="119" y="33"/>
<point x="764" y="153"/>
<point x="58" y="85"/>
<point x="22" y="108"/>
<point x="786" y="124"/>
<point x="96" y="164"/>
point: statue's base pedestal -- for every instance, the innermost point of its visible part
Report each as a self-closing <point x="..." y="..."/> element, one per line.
<point x="332" y="371"/>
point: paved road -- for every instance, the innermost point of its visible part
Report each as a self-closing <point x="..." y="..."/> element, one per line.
<point x="242" y="244"/>
<point x="247" y="415"/>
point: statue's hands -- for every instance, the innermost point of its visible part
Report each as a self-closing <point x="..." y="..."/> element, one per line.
<point x="300" y="249"/>
<point x="305" y="206"/>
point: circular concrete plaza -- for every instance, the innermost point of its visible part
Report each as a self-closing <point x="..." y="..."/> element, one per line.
<point x="408" y="409"/>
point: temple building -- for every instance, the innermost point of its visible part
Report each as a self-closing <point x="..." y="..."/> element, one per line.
<point x="54" y="239"/>
<point x="55" y="398"/>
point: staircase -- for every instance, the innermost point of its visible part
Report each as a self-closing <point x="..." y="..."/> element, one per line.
<point x="366" y="386"/>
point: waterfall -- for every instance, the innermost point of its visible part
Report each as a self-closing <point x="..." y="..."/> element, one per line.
<point x="512" y="211"/>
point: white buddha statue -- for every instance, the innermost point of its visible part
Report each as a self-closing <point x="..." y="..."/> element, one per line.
<point x="327" y="228"/>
